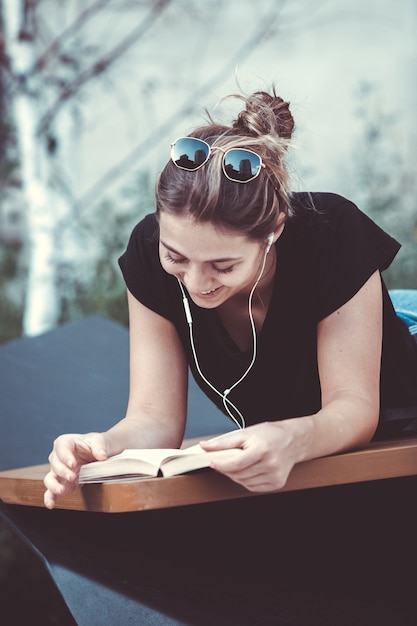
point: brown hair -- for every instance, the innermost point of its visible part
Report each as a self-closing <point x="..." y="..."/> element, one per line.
<point x="265" y="126"/>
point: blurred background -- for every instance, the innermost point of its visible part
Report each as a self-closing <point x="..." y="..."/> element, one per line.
<point x="92" y="93"/>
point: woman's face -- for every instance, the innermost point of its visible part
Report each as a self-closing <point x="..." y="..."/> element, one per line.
<point x="213" y="265"/>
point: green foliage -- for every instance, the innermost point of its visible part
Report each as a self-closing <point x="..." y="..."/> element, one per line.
<point x="104" y="294"/>
<point x="387" y="184"/>
<point x="11" y="309"/>
<point x="9" y="163"/>
<point x="9" y="166"/>
<point x="93" y="284"/>
<point x="98" y="286"/>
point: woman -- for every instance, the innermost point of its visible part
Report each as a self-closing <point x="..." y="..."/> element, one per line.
<point x="275" y="301"/>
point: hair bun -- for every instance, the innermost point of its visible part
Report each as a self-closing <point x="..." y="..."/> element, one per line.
<point x="265" y="114"/>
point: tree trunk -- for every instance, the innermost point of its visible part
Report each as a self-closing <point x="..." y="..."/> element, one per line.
<point x="41" y="301"/>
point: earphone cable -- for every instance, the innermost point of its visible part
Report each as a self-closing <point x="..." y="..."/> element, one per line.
<point x="226" y="402"/>
<point x="223" y="396"/>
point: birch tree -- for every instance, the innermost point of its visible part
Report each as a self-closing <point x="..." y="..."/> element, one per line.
<point x="41" y="308"/>
<point x="76" y="56"/>
<point x="44" y="79"/>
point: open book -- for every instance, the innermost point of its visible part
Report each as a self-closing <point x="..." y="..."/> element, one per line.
<point x="133" y="464"/>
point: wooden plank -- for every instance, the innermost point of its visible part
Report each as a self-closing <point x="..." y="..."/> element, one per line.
<point x="379" y="460"/>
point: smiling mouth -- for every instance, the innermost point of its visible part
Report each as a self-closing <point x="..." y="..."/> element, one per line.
<point x="205" y="293"/>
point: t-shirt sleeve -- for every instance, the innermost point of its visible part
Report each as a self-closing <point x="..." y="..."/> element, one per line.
<point x="351" y="248"/>
<point x="142" y="270"/>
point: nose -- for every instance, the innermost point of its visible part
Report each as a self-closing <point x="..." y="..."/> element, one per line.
<point x="196" y="279"/>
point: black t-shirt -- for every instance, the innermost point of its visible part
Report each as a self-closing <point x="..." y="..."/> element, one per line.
<point x="324" y="256"/>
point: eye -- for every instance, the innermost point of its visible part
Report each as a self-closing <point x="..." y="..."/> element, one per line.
<point x="171" y="259"/>
<point x="225" y="270"/>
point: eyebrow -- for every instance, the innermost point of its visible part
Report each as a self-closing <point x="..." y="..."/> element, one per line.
<point x="222" y="260"/>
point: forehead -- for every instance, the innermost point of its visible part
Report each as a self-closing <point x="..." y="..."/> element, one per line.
<point x="187" y="235"/>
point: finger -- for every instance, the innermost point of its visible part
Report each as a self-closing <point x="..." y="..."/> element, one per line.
<point x="54" y="484"/>
<point x="260" y="483"/>
<point x="61" y="469"/>
<point x="247" y="475"/>
<point x="91" y="447"/>
<point x="256" y="477"/>
<point x="260" y="487"/>
<point x="49" y="499"/>
<point x="233" y="461"/>
<point x="236" y="459"/>
<point x="64" y="452"/>
<point x="57" y="485"/>
<point x="98" y="449"/>
<point x="56" y="489"/>
<point x="74" y="450"/>
<point x="224" y="442"/>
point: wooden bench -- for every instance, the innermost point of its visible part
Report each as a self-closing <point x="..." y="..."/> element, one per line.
<point x="377" y="461"/>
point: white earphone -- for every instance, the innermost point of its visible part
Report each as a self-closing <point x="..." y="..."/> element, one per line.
<point x="269" y="242"/>
<point x="228" y="405"/>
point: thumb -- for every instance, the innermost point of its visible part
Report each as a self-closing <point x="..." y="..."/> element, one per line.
<point x="227" y="441"/>
<point x="99" y="447"/>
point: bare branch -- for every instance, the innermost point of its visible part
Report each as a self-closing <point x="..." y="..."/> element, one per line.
<point x="115" y="172"/>
<point x="103" y="64"/>
<point x="53" y="48"/>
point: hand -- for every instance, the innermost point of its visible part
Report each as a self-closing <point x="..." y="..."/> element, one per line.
<point x="267" y="454"/>
<point x="69" y="453"/>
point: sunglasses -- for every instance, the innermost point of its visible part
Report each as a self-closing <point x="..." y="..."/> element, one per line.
<point x="238" y="164"/>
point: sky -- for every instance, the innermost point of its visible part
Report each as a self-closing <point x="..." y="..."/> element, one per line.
<point x="344" y="65"/>
<point x="318" y="53"/>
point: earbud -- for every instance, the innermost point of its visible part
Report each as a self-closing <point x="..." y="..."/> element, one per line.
<point x="269" y="243"/>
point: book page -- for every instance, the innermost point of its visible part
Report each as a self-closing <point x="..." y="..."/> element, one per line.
<point x="133" y="462"/>
<point x="180" y="464"/>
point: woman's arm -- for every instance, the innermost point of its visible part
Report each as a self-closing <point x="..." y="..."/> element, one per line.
<point x="349" y="359"/>
<point x="157" y="406"/>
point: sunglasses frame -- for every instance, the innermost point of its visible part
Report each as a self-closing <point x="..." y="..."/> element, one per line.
<point x="225" y="153"/>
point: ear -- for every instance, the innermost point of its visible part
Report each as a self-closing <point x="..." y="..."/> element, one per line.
<point x="280" y="226"/>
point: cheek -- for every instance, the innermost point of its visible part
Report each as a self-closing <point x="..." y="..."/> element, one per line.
<point x="231" y="279"/>
<point x="237" y="278"/>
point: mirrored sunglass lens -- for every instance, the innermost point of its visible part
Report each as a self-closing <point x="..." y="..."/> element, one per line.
<point x="241" y="165"/>
<point x="189" y="153"/>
